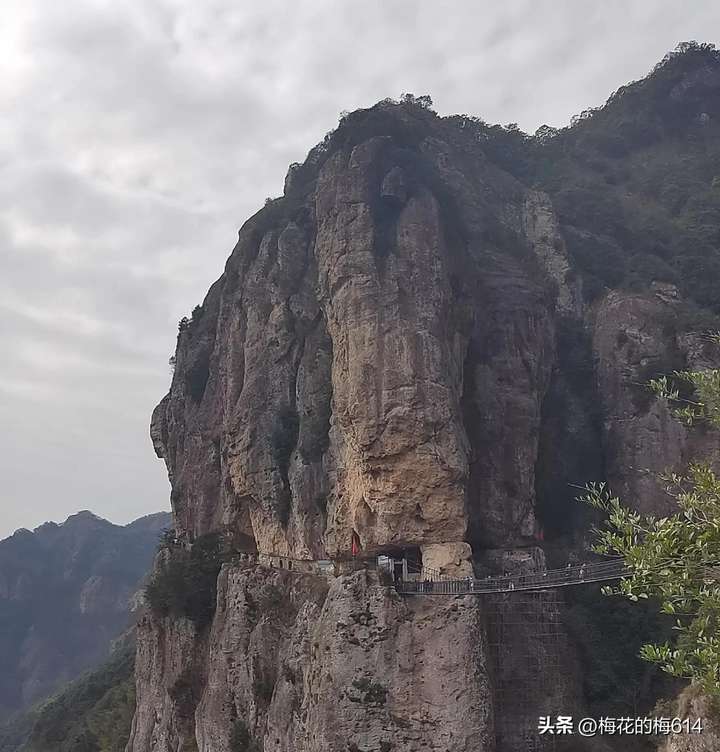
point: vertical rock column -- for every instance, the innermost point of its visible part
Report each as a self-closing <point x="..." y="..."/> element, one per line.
<point x="399" y="444"/>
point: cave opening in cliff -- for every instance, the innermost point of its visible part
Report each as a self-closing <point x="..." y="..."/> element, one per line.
<point x="401" y="563"/>
<point x="241" y="532"/>
<point x="245" y="543"/>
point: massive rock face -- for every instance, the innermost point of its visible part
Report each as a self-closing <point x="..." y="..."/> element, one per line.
<point x="401" y="354"/>
<point x="636" y="338"/>
<point x="373" y="360"/>
<point x="304" y="666"/>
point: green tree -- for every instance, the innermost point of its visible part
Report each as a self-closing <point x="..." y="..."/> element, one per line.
<point x="185" y="580"/>
<point x="676" y="559"/>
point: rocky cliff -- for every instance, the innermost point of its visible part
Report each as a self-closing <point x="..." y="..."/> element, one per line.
<point x="436" y="332"/>
<point x="327" y="383"/>
<point x="65" y="594"/>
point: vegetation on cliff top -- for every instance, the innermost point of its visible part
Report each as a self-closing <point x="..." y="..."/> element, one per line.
<point x="636" y="183"/>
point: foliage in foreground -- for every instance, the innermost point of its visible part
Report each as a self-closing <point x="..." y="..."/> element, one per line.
<point x="676" y="559"/>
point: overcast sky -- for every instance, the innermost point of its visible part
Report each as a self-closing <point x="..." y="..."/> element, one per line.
<point x="136" y="137"/>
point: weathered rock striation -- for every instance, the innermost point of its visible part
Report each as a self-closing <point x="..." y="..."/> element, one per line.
<point x="370" y="361"/>
<point x="304" y="666"/>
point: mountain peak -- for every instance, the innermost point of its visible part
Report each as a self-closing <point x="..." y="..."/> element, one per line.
<point x="85" y="515"/>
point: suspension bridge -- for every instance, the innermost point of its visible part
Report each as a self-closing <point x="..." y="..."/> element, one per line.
<point x="434" y="583"/>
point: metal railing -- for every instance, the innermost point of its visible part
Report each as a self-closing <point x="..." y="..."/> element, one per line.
<point x="426" y="581"/>
<point x="578" y="574"/>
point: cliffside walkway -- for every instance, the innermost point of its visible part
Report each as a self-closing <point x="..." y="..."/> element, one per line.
<point x="420" y="580"/>
<point x="580" y="574"/>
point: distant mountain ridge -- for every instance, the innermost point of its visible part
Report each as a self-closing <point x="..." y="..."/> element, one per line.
<point x="66" y="592"/>
<point x="158" y="521"/>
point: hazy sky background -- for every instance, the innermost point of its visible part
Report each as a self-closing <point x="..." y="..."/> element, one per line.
<point x="136" y="137"/>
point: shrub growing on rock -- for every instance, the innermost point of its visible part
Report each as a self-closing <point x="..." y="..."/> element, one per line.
<point x="185" y="582"/>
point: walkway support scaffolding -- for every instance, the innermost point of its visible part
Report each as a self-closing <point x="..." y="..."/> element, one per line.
<point x="528" y="654"/>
